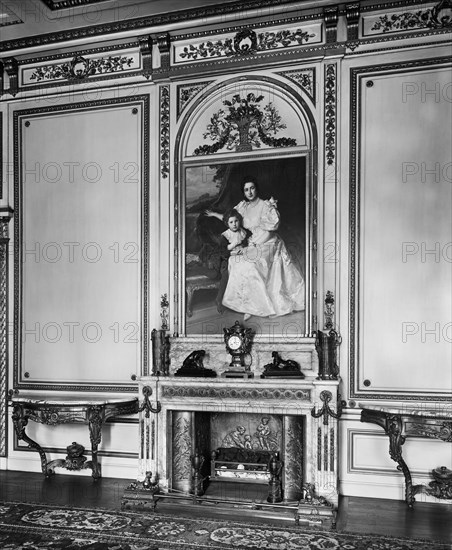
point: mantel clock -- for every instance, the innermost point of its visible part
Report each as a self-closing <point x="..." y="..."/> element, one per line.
<point x="238" y="341"/>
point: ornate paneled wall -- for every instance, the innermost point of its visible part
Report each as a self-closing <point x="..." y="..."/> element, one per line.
<point x="343" y="113"/>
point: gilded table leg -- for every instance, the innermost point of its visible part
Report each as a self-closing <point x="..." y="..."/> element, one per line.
<point x="396" y="440"/>
<point x="95" y="421"/>
<point x="20" y="420"/>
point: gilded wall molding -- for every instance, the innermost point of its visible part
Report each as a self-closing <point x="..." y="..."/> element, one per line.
<point x="354" y="220"/>
<point x="143" y="101"/>
<point x="164" y="131"/>
<point x="330" y="114"/>
<point x="4" y="253"/>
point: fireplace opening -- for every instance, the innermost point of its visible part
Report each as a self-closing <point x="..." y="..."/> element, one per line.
<point x="237" y="456"/>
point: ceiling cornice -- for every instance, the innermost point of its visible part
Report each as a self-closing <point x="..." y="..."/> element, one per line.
<point x="213" y="11"/>
<point x="160" y="19"/>
<point x="62" y="4"/>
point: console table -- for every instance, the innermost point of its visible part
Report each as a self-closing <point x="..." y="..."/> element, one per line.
<point x="64" y="410"/>
<point x="399" y="423"/>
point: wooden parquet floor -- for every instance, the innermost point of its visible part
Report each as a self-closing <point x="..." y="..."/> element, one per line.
<point x="356" y="515"/>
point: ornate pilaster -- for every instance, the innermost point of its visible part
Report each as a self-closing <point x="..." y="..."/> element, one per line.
<point x="4" y="242"/>
<point x="330" y="185"/>
<point x="147" y="429"/>
<point x="324" y="454"/>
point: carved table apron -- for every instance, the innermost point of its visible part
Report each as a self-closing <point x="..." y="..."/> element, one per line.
<point x="93" y="412"/>
<point x="413" y="421"/>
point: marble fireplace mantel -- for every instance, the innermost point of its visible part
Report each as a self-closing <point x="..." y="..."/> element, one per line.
<point x="172" y="409"/>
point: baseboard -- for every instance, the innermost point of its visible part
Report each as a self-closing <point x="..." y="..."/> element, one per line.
<point x="388" y="489"/>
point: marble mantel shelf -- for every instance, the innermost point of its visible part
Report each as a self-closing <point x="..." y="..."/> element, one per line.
<point x="277" y="394"/>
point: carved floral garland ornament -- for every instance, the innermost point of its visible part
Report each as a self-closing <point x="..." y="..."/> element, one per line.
<point x="246" y="42"/>
<point x="244" y="126"/>
<point x="438" y="17"/>
<point x="80" y="67"/>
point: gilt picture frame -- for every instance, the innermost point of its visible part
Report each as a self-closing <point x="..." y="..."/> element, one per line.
<point x="263" y="271"/>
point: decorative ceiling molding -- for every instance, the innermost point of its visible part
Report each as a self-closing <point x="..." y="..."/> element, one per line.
<point x="62" y="4"/>
<point x="167" y="18"/>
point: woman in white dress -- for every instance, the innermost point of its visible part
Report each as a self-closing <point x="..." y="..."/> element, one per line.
<point x="263" y="280"/>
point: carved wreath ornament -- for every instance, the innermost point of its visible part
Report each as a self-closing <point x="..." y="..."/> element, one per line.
<point x="244" y="125"/>
<point x="247" y="42"/>
<point x="80" y="67"/>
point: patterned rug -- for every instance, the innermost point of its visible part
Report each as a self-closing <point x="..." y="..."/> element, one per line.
<point x="33" y="527"/>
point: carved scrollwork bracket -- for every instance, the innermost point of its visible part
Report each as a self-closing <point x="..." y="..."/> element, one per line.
<point x="146" y="55"/>
<point x="12" y="70"/>
<point x="164" y="45"/>
<point x="326" y="410"/>
<point x="331" y="17"/>
<point x="147" y="405"/>
<point x="352" y="12"/>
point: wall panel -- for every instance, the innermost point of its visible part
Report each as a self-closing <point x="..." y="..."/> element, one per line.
<point x="403" y="231"/>
<point x="79" y="200"/>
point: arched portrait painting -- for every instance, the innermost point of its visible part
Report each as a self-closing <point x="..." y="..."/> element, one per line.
<point x="245" y="245"/>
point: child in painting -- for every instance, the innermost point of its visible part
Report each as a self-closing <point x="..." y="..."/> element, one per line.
<point x="235" y="238"/>
<point x="236" y="234"/>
